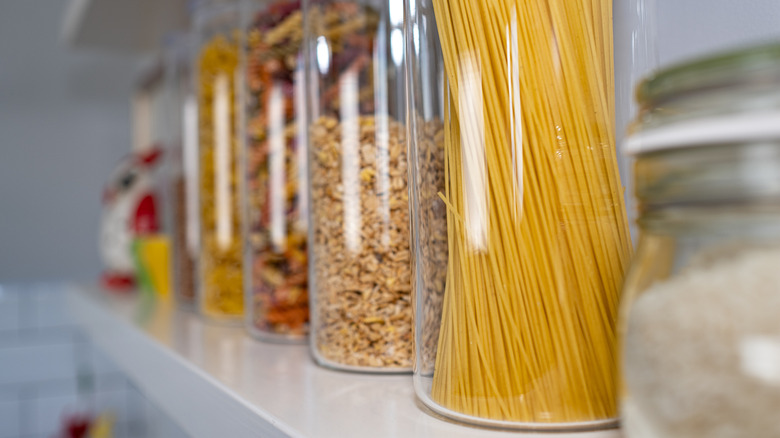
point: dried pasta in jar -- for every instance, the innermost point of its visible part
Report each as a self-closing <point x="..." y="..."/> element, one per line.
<point x="221" y="284"/>
<point x="277" y="293"/>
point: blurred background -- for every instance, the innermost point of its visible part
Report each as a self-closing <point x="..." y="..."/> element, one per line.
<point x="74" y="99"/>
<point x="66" y="119"/>
<point x="66" y="109"/>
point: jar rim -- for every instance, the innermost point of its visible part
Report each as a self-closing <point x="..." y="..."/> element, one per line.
<point x="728" y="129"/>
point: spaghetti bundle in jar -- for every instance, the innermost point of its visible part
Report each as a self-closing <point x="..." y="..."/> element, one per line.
<point x="361" y="304"/>
<point x="277" y="295"/>
<point x="217" y="62"/>
<point x="521" y="332"/>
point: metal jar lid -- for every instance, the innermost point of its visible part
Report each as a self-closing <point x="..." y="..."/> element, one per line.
<point x="728" y="98"/>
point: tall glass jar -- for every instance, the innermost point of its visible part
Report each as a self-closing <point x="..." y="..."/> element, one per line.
<point x="699" y="320"/>
<point x="217" y="26"/>
<point x="520" y="234"/>
<point x="181" y="119"/>
<point x="360" y="258"/>
<point x="277" y="298"/>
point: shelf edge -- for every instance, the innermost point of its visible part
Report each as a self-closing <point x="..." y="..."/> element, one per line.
<point x="198" y="403"/>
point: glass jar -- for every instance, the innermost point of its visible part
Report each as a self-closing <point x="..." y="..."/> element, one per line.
<point x="181" y="120"/>
<point x="277" y="298"/>
<point x="217" y="26"/>
<point x="699" y="322"/>
<point x="360" y="257"/>
<point x="519" y="228"/>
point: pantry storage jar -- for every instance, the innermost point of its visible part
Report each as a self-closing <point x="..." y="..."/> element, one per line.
<point x="217" y="26"/>
<point x="277" y="298"/>
<point x="699" y="322"/>
<point x="360" y="287"/>
<point x="520" y="235"/>
<point x="181" y="138"/>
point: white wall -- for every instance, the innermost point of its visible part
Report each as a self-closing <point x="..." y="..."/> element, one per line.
<point x="64" y="123"/>
<point x="695" y="27"/>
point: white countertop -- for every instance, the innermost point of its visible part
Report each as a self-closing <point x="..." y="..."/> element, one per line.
<point x="215" y="381"/>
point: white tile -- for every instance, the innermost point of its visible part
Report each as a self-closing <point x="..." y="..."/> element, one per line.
<point x="36" y="363"/>
<point x="9" y="394"/>
<point x="32" y="336"/>
<point x="27" y="317"/>
<point x="27" y="415"/>
<point x="138" y="408"/>
<point x="50" y="310"/>
<point x="10" y="419"/>
<point x="9" y="311"/>
<point x="114" y="403"/>
<point x="166" y="428"/>
<point x="111" y="382"/>
<point x="9" y="339"/>
<point x="43" y="288"/>
<point x="147" y="420"/>
<point x="50" y="412"/>
<point x="46" y="335"/>
<point x="120" y="429"/>
<point x="136" y="429"/>
<point x="161" y="426"/>
<point x="53" y="388"/>
<point x="102" y="364"/>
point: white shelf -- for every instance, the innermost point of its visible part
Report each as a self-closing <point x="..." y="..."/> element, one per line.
<point x="122" y="26"/>
<point x="217" y="382"/>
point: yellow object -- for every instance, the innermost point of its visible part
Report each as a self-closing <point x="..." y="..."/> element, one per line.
<point x="103" y="427"/>
<point x="155" y="252"/>
<point x="537" y="231"/>
<point x="222" y="290"/>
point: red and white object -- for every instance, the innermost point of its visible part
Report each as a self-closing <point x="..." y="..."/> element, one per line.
<point x="130" y="209"/>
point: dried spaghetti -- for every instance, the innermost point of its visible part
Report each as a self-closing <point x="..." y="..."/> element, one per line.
<point x="537" y="233"/>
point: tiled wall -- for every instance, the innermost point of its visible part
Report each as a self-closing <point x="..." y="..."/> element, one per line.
<point x="49" y="368"/>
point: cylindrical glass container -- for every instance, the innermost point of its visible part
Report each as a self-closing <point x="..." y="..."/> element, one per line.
<point x="277" y="298"/>
<point x="699" y="318"/>
<point x="181" y="119"/>
<point x="519" y="227"/>
<point x="217" y="26"/>
<point x="360" y="287"/>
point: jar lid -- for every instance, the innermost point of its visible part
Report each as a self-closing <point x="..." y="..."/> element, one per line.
<point x="668" y="91"/>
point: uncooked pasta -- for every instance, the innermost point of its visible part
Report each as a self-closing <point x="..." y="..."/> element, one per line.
<point x="537" y="232"/>
<point x="221" y="288"/>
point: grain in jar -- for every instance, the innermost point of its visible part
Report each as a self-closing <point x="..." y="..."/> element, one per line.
<point x="361" y="285"/>
<point x="699" y="323"/>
